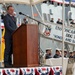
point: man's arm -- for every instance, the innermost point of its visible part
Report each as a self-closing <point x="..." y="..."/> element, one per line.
<point x="7" y="25"/>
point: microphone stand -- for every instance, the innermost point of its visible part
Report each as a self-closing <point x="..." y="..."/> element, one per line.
<point x="38" y="32"/>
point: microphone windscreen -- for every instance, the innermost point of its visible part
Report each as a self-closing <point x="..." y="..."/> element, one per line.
<point x="20" y="12"/>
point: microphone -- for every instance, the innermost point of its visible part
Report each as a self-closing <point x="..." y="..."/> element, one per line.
<point x="21" y="13"/>
<point x="32" y="18"/>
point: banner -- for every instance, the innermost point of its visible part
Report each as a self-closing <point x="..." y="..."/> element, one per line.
<point x="28" y="71"/>
<point x="57" y="70"/>
<point x="70" y="0"/>
<point x="55" y="32"/>
<point x="43" y="71"/>
<point x="66" y="1"/>
<point x="0" y="41"/>
<point x="2" y="24"/>
<point x="1" y="71"/>
<point x="12" y="71"/>
<point x="2" y="46"/>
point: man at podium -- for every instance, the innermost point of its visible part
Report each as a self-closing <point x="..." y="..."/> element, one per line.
<point x="10" y="27"/>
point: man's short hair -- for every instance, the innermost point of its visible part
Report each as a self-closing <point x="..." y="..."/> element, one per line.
<point x="57" y="51"/>
<point x="9" y="7"/>
<point x="48" y="50"/>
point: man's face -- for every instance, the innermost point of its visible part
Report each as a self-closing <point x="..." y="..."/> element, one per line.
<point x="74" y="52"/>
<point x="58" y="52"/>
<point x="10" y="10"/>
<point x="65" y="53"/>
<point x="58" y="19"/>
<point x="49" y="52"/>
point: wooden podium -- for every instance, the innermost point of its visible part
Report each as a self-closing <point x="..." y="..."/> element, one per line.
<point x="25" y="46"/>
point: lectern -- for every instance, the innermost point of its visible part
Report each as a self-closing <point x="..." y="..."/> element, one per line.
<point x="25" y="46"/>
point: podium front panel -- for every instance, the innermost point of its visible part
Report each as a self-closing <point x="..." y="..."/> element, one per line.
<point x="25" y="46"/>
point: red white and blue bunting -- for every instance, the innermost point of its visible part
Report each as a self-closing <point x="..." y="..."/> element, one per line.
<point x="32" y="71"/>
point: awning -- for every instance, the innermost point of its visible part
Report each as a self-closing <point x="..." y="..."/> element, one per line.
<point x="22" y="1"/>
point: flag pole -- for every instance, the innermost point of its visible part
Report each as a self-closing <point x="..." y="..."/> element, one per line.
<point x="63" y="14"/>
<point x="32" y="10"/>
